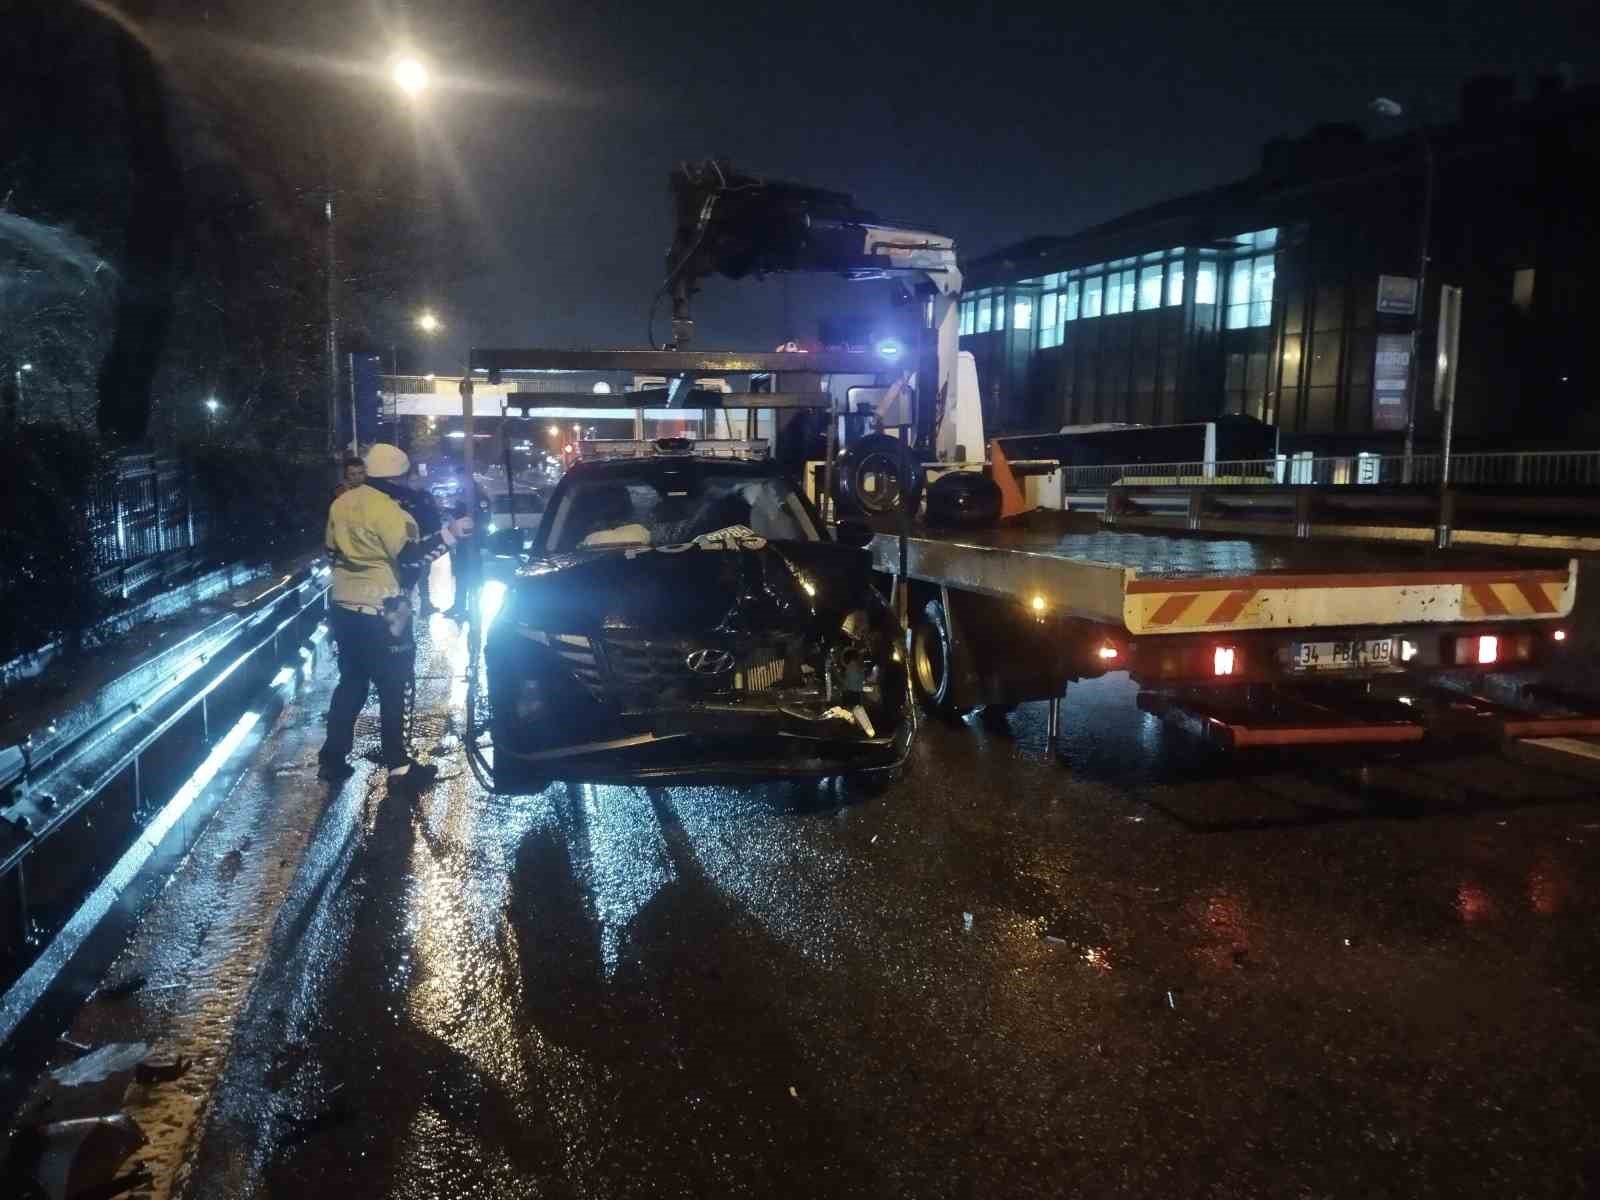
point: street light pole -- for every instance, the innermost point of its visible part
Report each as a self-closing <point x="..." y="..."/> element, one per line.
<point x="331" y="266"/>
<point x="410" y="76"/>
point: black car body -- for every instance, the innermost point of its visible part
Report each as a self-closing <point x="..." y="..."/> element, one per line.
<point x="681" y="616"/>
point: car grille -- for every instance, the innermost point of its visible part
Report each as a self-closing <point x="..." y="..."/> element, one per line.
<point x="577" y="652"/>
<point x="640" y="666"/>
<point x="760" y="675"/>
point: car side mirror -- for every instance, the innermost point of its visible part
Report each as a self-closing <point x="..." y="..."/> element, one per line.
<point x="852" y="533"/>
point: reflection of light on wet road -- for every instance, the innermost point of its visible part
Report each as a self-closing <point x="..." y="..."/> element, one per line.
<point x="1225" y="933"/>
<point x="1473" y="903"/>
<point x="1105" y="736"/>
<point x="1550" y="886"/>
<point x="787" y="882"/>
<point x="624" y="861"/>
<point x="462" y="989"/>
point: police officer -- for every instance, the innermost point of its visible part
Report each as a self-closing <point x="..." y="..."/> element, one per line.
<point x="378" y="554"/>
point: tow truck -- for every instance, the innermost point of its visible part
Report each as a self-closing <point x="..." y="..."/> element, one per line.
<point x="1247" y="641"/>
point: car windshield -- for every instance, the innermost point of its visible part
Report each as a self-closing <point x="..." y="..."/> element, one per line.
<point x="527" y="502"/>
<point x="675" y="507"/>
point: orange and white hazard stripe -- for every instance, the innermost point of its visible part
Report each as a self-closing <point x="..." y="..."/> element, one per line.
<point x="1152" y="606"/>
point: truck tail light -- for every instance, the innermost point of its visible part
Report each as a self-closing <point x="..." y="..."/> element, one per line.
<point x="1408" y="650"/>
<point x="1222" y="660"/>
<point x="1107" y="652"/>
<point x="1520" y="647"/>
<point x="1559" y="635"/>
<point x="1488" y="649"/>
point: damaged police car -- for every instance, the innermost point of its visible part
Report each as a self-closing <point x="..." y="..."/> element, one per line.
<point x="683" y="616"/>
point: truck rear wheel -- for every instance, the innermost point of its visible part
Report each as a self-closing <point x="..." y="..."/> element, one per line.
<point x="932" y="660"/>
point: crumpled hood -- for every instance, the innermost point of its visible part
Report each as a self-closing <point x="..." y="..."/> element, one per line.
<point x="751" y="587"/>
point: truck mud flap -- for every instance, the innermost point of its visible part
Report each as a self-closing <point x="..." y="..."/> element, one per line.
<point x="1434" y="714"/>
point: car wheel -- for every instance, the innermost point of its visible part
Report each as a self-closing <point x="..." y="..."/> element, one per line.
<point x="932" y="660"/>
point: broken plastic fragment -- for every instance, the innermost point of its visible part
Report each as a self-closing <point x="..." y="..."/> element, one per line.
<point x="80" y="1157"/>
<point x="100" y="1065"/>
<point x="966" y="921"/>
<point x="123" y="987"/>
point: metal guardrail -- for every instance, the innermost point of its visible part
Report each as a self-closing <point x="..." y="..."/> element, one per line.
<point x="1544" y="468"/>
<point x="131" y="742"/>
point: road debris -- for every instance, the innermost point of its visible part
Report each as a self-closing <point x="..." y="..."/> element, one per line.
<point x="123" y="987"/>
<point x="1170" y="1002"/>
<point x="99" y="1065"/>
<point x="793" y="1095"/>
<point x="966" y="922"/>
<point x="78" y="1159"/>
<point x="153" y="1073"/>
<point x="230" y="866"/>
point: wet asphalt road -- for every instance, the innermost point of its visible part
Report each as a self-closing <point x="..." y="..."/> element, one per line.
<point x="1145" y="972"/>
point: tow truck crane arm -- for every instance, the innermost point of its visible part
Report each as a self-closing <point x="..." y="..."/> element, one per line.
<point x="726" y="223"/>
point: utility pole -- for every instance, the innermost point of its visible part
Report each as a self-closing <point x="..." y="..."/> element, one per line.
<point x="332" y="348"/>
<point x="1413" y="369"/>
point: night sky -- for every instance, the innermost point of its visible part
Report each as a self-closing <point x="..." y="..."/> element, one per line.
<point x="991" y="123"/>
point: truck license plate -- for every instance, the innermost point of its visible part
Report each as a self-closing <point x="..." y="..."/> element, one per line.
<point x="1343" y="656"/>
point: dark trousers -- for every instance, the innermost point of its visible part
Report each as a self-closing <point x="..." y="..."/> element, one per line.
<point x="371" y="651"/>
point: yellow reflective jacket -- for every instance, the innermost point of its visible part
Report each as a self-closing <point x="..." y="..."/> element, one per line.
<point x="367" y="533"/>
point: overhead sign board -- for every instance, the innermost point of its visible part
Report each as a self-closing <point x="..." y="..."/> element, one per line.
<point x="1391" y="372"/>
<point x="1397" y="294"/>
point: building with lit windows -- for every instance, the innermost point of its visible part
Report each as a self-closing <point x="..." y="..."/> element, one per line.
<point x="1290" y="295"/>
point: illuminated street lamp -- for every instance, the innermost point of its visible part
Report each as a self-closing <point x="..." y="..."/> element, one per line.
<point x="211" y="414"/>
<point x="410" y="76"/>
<point x="428" y="323"/>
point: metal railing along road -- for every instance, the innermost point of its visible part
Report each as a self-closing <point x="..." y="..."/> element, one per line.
<point x="140" y="512"/>
<point x="1511" y="469"/>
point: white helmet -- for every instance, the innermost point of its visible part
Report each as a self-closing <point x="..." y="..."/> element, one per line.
<point x="387" y="462"/>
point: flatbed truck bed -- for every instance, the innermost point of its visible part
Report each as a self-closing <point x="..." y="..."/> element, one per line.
<point x="1018" y="611"/>
<point x="1166" y="582"/>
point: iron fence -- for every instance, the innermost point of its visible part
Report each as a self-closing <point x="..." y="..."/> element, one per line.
<point x="143" y="514"/>
<point x="1511" y="469"/>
